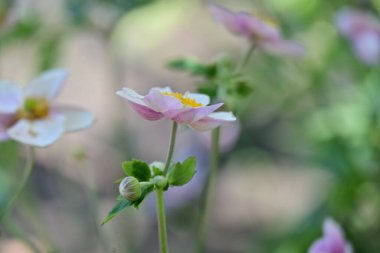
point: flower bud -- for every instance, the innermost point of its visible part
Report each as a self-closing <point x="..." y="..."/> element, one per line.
<point x="130" y="188"/>
<point x="154" y="166"/>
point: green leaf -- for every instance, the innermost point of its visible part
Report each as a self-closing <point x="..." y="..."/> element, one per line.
<point x="210" y="90"/>
<point x="243" y="89"/>
<point x="137" y="169"/>
<point x="123" y="203"/>
<point x="120" y="206"/>
<point x="182" y="173"/>
<point x="193" y="67"/>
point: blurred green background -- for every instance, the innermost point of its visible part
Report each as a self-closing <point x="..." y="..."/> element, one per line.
<point x="307" y="145"/>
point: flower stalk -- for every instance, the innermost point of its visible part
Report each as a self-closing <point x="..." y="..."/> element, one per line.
<point x="246" y="58"/>
<point x="171" y="147"/>
<point x="27" y="172"/>
<point x="208" y="189"/>
<point x="160" y="195"/>
<point x="162" y="222"/>
<point x="208" y="192"/>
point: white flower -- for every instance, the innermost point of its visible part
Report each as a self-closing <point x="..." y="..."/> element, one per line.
<point x="28" y="115"/>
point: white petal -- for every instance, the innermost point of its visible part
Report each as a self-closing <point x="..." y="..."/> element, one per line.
<point x="212" y="120"/>
<point x="10" y="97"/>
<point x="131" y="95"/>
<point x="40" y="133"/>
<point x="75" y="118"/>
<point x="223" y="116"/>
<point x="200" y="98"/>
<point x="47" y="85"/>
<point x="164" y="89"/>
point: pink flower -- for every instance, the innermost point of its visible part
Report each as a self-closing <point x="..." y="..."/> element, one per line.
<point x="258" y="29"/>
<point x="363" y="30"/>
<point x="333" y="240"/>
<point x="28" y="114"/>
<point x="191" y="109"/>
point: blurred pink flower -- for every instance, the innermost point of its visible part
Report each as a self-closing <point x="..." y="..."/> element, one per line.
<point x="27" y="114"/>
<point x="363" y="31"/>
<point x="191" y="109"/>
<point x="258" y="29"/>
<point x="333" y="240"/>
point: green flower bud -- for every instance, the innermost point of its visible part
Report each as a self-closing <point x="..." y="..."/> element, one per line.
<point x="130" y="188"/>
<point x="157" y="168"/>
<point x="160" y="182"/>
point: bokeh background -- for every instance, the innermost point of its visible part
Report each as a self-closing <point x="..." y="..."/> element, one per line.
<point x="306" y="147"/>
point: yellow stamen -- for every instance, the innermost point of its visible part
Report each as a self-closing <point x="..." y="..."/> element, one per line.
<point x="185" y="100"/>
<point x="34" y="108"/>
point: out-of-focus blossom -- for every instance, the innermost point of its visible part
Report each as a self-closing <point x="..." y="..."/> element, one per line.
<point x="259" y="29"/>
<point x="363" y="31"/>
<point x="333" y="240"/>
<point x="28" y="115"/>
<point x="229" y="134"/>
<point x="191" y="109"/>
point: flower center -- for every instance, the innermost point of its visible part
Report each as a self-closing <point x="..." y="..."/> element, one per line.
<point x="266" y="19"/>
<point x="185" y="100"/>
<point x="34" y="108"/>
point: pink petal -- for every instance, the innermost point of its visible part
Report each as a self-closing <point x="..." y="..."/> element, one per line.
<point x="350" y="21"/>
<point x="40" y="133"/>
<point x="256" y="28"/>
<point x="159" y="102"/>
<point x="190" y="115"/>
<point x="332" y="230"/>
<point x="46" y="85"/>
<point x="367" y="46"/>
<point x="138" y="105"/>
<point x="244" y="24"/>
<point x="333" y="240"/>
<point x="319" y="246"/>
<point x="5" y="121"/>
<point x="283" y="47"/>
<point x="10" y="97"/>
<point x="227" y="18"/>
<point x="75" y="118"/>
<point x="212" y="120"/>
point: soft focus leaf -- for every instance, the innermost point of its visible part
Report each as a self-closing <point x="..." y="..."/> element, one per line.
<point x="193" y="67"/>
<point x="243" y="89"/>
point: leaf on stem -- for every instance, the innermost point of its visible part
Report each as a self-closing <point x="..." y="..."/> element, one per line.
<point x="182" y="173"/>
<point x="137" y="169"/>
<point x="124" y="203"/>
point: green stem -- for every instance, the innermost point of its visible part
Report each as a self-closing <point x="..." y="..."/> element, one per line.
<point x="208" y="192"/>
<point x="27" y="172"/>
<point x="171" y="147"/>
<point x="246" y="58"/>
<point x="160" y="195"/>
<point x="14" y="230"/>
<point x="162" y="222"/>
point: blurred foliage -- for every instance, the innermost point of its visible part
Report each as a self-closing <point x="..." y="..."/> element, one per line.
<point x="322" y="111"/>
<point x="20" y="27"/>
<point x="221" y="81"/>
